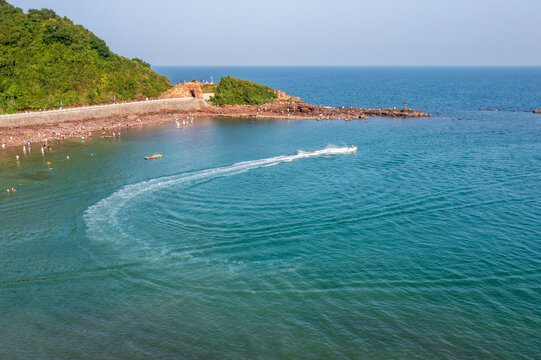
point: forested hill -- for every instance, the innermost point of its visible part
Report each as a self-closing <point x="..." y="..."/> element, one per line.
<point x="46" y="59"/>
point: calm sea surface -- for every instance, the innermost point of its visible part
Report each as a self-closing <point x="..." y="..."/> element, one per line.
<point x="266" y="239"/>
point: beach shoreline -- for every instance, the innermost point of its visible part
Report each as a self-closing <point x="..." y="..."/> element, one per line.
<point x="46" y="132"/>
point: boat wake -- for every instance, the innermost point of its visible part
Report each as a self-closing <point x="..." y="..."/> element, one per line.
<point x="102" y="218"/>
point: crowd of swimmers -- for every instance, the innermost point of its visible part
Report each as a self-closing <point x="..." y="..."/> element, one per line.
<point x="189" y="120"/>
<point x="27" y="148"/>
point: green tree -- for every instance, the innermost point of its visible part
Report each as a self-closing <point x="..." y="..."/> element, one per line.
<point x="55" y="33"/>
<point x="100" y="46"/>
<point x="141" y="62"/>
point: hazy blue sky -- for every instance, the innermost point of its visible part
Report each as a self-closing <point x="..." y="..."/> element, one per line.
<point x="312" y="32"/>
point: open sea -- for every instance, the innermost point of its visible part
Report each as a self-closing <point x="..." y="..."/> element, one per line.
<point x="269" y="240"/>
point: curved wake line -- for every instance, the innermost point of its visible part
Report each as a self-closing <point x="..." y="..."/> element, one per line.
<point x="101" y="217"/>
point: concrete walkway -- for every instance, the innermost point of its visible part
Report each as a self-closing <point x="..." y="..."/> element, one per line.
<point x="97" y="111"/>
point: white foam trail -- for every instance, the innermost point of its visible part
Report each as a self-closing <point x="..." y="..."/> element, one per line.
<point x="101" y="218"/>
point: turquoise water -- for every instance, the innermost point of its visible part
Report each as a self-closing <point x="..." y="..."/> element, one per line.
<point x="268" y="239"/>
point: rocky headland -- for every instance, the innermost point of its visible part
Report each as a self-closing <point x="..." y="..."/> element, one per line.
<point x="283" y="105"/>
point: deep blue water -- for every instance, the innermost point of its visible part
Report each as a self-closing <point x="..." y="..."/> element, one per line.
<point x="267" y="239"/>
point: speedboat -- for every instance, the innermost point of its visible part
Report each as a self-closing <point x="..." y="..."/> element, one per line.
<point x="155" y="156"/>
<point x="352" y="148"/>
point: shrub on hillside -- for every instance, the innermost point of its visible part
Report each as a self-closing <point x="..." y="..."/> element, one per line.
<point x="232" y="91"/>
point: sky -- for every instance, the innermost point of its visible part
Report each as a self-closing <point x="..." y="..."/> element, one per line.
<point x="313" y="32"/>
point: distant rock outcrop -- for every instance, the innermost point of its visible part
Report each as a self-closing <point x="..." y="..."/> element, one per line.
<point x="192" y="89"/>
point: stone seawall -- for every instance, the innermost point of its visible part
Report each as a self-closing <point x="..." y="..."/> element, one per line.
<point x="99" y="111"/>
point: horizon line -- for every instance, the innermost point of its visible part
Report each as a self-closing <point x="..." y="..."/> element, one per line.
<point x="418" y="66"/>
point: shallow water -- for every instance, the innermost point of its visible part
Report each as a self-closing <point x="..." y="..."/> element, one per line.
<point x="269" y="239"/>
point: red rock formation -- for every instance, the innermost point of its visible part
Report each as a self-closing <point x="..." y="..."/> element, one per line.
<point x="285" y="98"/>
<point x="191" y="89"/>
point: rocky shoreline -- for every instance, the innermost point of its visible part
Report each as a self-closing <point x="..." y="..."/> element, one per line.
<point x="283" y="108"/>
<point x="302" y="110"/>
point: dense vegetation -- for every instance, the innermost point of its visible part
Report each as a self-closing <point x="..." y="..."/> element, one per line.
<point x="46" y="59"/>
<point x="208" y="88"/>
<point x="232" y="91"/>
